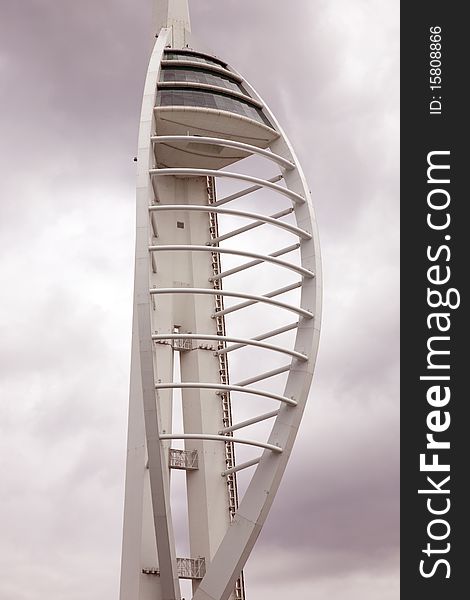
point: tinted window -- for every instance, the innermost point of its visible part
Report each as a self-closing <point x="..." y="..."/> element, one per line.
<point x="192" y="57"/>
<point x="200" y="76"/>
<point x="189" y="97"/>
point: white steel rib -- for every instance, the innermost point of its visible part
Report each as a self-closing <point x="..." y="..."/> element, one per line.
<point x="237" y="213"/>
<point x="278" y="292"/>
<point x="261" y="257"/>
<point x="240" y="176"/>
<point x="226" y="387"/>
<point x="254" y="263"/>
<point x="264" y="375"/>
<point x="215" y="292"/>
<point x="252" y="421"/>
<point x="246" y="228"/>
<point x="262" y="336"/>
<point x="219" y="438"/>
<point x="241" y="466"/>
<point x="227" y="338"/>
<point x="201" y="135"/>
<point x="246" y="191"/>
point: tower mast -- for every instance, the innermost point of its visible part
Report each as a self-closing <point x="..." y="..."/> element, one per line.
<point x="200" y="117"/>
<point x="172" y="14"/>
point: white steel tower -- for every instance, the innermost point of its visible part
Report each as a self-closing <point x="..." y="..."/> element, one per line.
<point x="221" y="272"/>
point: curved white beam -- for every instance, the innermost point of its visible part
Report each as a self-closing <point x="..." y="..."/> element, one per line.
<point x="224" y="387"/>
<point x="242" y="305"/>
<point x="195" y="139"/>
<point x="254" y="263"/>
<point x="229" y="338"/>
<point x="220" y="438"/>
<point x="235" y="252"/>
<point x="301" y="233"/>
<point x="241" y="466"/>
<point x="212" y="292"/>
<point x="234" y="232"/>
<point x="262" y="336"/>
<point x="214" y="173"/>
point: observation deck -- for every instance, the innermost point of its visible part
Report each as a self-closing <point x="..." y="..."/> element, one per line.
<point x="199" y="95"/>
<point x="198" y="299"/>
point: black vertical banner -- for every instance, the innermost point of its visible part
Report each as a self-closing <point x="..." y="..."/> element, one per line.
<point x="435" y="264"/>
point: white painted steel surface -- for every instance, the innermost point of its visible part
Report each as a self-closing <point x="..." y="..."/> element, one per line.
<point x="252" y="297"/>
<point x="212" y="173"/>
<point x="237" y="213"/>
<point x="228" y="388"/>
<point x="179" y="307"/>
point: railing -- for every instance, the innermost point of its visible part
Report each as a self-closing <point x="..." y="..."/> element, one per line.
<point x="182" y="344"/>
<point x="188" y="568"/>
<point x="191" y="568"/>
<point x="183" y="459"/>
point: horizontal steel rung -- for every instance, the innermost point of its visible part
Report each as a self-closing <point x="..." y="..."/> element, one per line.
<point x="272" y="220"/>
<point x="240" y="230"/>
<point x="262" y="257"/>
<point x="263" y="336"/>
<point x="225" y="338"/>
<point x="240" y="467"/>
<point x="225" y="387"/>
<point x="248" y="422"/>
<point x="220" y="438"/>
<point x="272" y="294"/>
<point x="214" y="173"/>
<point x="253" y="263"/>
<point x="265" y="375"/>
<point x="264" y="299"/>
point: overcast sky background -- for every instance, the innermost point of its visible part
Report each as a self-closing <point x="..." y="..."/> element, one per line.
<point x="71" y="78"/>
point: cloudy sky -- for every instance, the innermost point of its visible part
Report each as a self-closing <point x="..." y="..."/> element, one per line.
<point x="71" y="77"/>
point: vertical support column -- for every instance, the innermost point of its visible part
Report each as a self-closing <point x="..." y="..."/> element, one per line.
<point x="208" y="506"/>
<point x="154" y="413"/>
<point x="135" y="476"/>
<point x="173" y="14"/>
<point x="149" y="503"/>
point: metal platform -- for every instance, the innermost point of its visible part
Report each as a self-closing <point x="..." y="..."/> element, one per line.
<point x="188" y="568"/>
<point x="183" y="459"/>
